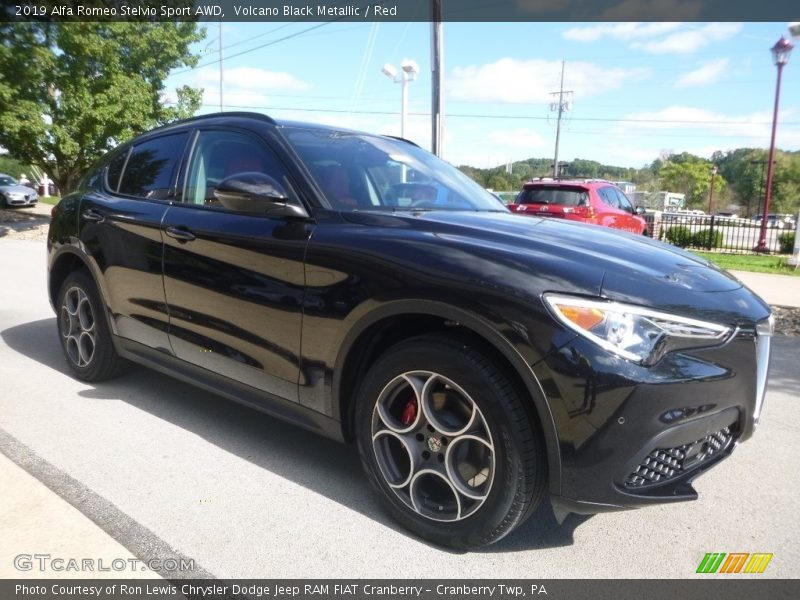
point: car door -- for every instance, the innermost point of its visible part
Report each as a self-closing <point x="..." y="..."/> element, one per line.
<point x="120" y="229"/>
<point x="234" y="279"/>
<point x="610" y="214"/>
<point x="629" y="219"/>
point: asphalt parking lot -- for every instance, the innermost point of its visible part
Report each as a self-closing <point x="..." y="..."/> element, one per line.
<point x="164" y="467"/>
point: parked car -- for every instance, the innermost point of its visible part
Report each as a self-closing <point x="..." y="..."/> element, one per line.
<point x="12" y="193"/>
<point x="480" y="361"/>
<point x="590" y="201"/>
<point x="774" y="221"/>
<point x="684" y="216"/>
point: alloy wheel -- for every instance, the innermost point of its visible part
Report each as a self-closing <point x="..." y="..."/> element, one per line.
<point x="78" y="327"/>
<point x="433" y="446"/>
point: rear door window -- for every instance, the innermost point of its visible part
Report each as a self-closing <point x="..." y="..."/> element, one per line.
<point x="114" y="170"/>
<point x="152" y="166"/>
<point x="562" y="196"/>
<point x="609" y="196"/>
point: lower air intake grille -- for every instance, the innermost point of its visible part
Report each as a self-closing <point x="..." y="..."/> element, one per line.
<point x="663" y="464"/>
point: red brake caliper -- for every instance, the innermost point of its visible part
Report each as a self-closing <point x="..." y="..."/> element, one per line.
<point x="409" y="412"/>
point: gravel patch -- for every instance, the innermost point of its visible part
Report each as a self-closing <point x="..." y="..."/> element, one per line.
<point x="23" y="224"/>
<point x="787" y="320"/>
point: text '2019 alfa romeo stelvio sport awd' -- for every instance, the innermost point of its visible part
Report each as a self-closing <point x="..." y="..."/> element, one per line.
<point x="360" y="287"/>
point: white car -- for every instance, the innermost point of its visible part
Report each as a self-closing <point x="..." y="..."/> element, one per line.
<point x="14" y="194"/>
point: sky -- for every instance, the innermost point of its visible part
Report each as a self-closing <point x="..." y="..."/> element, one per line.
<point x="640" y="90"/>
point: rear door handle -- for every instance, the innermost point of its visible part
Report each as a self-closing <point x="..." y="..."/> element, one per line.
<point x="180" y="233"/>
<point x="90" y="214"/>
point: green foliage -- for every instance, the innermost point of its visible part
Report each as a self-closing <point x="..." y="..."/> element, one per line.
<point x="691" y="175"/>
<point x="748" y="262"/>
<point x="71" y="91"/>
<point x="746" y="169"/>
<point x="498" y="179"/>
<point x="679" y="236"/>
<point x="11" y="166"/>
<point x="786" y="242"/>
<point x="706" y="239"/>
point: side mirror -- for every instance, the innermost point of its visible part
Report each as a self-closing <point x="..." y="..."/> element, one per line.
<point x="257" y="193"/>
<point x="640" y="210"/>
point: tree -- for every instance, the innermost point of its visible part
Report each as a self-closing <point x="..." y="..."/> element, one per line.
<point x="11" y="166"/>
<point x="69" y="92"/>
<point x="691" y="175"/>
<point x="745" y="169"/>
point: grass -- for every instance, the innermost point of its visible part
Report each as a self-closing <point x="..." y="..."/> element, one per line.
<point x="751" y="262"/>
<point x="49" y="199"/>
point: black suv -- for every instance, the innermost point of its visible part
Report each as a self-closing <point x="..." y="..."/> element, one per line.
<point x="358" y="286"/>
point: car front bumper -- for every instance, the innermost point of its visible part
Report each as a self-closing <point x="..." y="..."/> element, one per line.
<point x="632" y="436"/>
<point x="27" y="200"/>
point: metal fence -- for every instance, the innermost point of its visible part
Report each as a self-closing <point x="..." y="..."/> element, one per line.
<point x="726" y="234"/>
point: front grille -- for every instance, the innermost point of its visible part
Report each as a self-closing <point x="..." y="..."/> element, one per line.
<point x="664" y="464"/>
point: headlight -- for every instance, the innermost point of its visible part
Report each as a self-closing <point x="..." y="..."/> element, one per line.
<point x="637" y="334"/>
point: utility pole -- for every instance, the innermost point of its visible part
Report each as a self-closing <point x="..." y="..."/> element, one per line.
<point x="563" y="104"/>
<point x="220" y="65"/>
<point x="437" y="75"/>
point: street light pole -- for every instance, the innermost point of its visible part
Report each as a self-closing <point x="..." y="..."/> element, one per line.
<point x="780" y="52"/>
<point x="711" y="191"/>
<point x="408" y="72"/>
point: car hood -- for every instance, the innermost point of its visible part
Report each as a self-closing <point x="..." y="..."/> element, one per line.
<point x="19" y="189"/>
<point x="621" y="264"/>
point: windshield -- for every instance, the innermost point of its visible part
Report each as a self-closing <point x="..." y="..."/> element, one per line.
<point x="366" y="172"/>
<point x="6" y="180"/>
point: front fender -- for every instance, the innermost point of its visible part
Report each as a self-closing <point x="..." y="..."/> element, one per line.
<point x="504" y="336"/>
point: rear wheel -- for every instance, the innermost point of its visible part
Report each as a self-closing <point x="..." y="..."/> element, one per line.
<point x="448" y="443"/>
<point x="83" y="330"/>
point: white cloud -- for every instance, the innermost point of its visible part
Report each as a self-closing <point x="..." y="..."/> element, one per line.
<point x="705" y="75"/>
<point x="750" y="129"/>
<point x="510" y="80"/>
<point x="247" y="86"/>
<point x="657" y="38"/>
<point x="618" y="31"/>
<point x="691" y="40"/>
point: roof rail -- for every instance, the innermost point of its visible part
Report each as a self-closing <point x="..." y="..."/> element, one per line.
<point x="240" y="114"/>
<point x="570" y="178"/>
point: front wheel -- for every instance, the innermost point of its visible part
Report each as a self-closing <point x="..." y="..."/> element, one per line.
<point x="83" y="330"/>
<point x="448" y="442"/>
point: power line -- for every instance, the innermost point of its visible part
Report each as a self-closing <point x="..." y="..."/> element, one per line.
<point x="502" y="117"/>
<point x="272" y="43"/>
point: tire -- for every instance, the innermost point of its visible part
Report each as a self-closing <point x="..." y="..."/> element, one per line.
<point x="84" y="332"/>
<point x="466" y="464"/>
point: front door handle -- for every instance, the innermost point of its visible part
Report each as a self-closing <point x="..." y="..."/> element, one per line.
<point x="180" y="233"/>
<point x="91" y="214"/>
